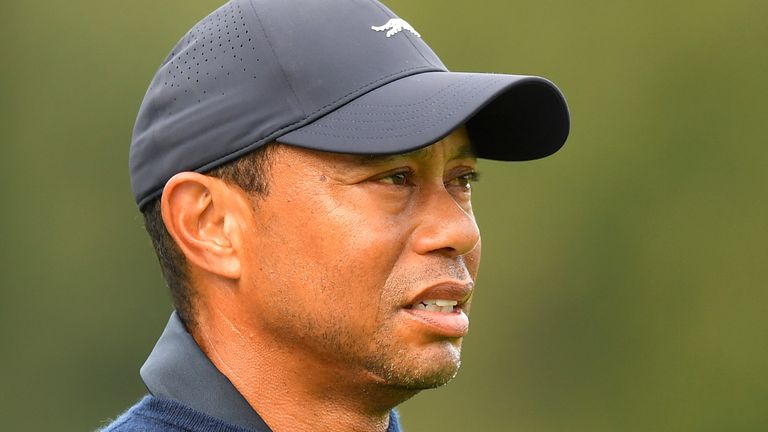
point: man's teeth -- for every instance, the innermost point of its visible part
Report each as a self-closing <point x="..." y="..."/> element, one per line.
<point x="437" y="305"/>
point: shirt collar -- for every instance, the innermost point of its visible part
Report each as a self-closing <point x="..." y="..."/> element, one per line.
<point x="178" y="369"/>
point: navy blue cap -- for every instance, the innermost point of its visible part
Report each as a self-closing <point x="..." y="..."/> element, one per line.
<point x="344" y="76"/>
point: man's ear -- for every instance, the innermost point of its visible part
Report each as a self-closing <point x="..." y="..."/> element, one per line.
<point x="204" y="215"/>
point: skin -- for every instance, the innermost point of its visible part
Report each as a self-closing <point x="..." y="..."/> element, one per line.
<point x="302" y="296"/>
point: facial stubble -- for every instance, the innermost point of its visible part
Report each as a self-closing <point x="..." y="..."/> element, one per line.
<point x="407" y="364"/>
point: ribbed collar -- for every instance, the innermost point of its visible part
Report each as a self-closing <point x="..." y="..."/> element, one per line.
<point x="178" y="369"/>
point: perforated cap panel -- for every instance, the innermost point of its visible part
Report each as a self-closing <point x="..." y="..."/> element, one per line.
<point x="221" y="34"/>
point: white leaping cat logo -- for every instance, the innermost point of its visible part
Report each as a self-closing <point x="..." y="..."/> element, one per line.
<point x="395" y="26"/>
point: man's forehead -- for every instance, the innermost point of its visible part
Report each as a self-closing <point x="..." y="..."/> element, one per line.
<point x="456" y="146"/>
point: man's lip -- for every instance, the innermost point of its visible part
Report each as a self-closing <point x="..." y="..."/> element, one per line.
<point x="446" y="324"/>
<point x="459" y="291"/>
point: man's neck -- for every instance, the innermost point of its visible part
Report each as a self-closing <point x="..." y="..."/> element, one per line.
<point x="292" y="392"/>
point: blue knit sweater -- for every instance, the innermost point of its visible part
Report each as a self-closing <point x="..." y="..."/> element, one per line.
<point x="164" y="415"/>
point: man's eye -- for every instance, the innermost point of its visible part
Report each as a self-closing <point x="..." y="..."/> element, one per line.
<point x="464" y="181"/>
<point x="397" y="179"/>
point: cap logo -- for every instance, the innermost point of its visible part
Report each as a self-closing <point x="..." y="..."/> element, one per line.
<point x="395" y="26"/>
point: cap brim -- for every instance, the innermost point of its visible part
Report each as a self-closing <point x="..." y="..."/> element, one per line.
<point x="508" y="117"/>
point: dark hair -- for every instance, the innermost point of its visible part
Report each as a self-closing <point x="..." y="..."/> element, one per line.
<point x="250" y="173"/>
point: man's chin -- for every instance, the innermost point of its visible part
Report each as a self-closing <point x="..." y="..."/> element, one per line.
<point x="418" y="372"/>
<point x="425" y="382"/>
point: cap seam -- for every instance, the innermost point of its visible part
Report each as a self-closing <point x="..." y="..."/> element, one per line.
<point x="426" y="101"/>
<point x="277" y="59"/>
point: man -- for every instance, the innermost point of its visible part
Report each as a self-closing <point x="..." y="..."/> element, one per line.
<point x="304" y="168"/>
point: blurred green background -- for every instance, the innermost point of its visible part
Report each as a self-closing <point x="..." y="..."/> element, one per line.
<point x="623" y="285"/>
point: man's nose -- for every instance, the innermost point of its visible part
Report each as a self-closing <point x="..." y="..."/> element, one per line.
<point x="444" y="225"/>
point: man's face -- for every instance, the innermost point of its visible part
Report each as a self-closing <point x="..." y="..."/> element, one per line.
<point x="347" y="256"/>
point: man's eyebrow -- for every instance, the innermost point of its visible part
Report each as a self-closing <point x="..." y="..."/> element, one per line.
<point x="461" y="152"/>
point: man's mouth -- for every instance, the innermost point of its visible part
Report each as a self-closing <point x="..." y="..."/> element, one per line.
<point x="436" y="305"/>
<point x="440" y="309"/>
